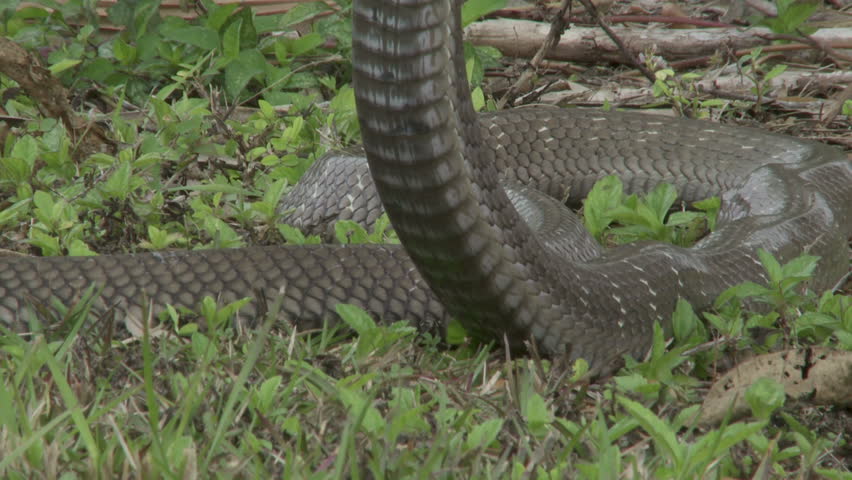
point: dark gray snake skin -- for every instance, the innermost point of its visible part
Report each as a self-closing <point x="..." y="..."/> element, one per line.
<point x="436" y="167"/>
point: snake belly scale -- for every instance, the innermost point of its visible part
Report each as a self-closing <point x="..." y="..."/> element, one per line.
<point x="435" y="164"/>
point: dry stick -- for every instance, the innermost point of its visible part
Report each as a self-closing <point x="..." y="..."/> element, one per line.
<point x="761" y="100"/>
<point x="617" y="41"/>
<point x="830" y="52"/>
<point x="807" y="43"/>
<point x="698" y="22"/>
<point x="836" y="105"/>
<point x="524" y="13"/>
<point x="557" y="26"/>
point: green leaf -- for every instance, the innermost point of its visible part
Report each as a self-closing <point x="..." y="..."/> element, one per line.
<point x="220" y="14"/>
<point x="359" y="406"/>
<point x="48" y="244"/>
<point x="78" y="248"/>
<point x="683" y="218"/>
<point x="300" y="13"/>
<point x="660" y="200"/>
<point x="248" y="33"/>
<point x="12" y="213"/>
<point x="802" y="266"/>
<point x="743" y="290"/>
<point x="349" y="232"/>
<point x="201" y="37"/>
<point x="791" y="15"/>
<point x="484" y="434"/>
<point x="605" y="195"/>
<point x="356" y="318"/>
<point x="456" y="333"/>
<point x="473" y="9"/>
<point x="63" y="65"/>
<point x="687" y="327"/>
<point x="124" y="53"/>
<point x="776" y="70"/>
<point x="117" y="186"/>
<point x="537" y="414"/>
<point x="773" y="268"/>
<point x="231" y="41"/>
<point x="663" y="436"/>
<point x="478" y="98"/>
<point x="717" y="443"/>
<point x="764" y="397"/>
<point x="45" y="208"/>
<point x="246" y="66"/>
<point x="304" y="44"/>
<point x="267" y="392"/>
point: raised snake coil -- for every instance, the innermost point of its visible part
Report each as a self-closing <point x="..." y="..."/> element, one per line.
<point x="435" y="164"/>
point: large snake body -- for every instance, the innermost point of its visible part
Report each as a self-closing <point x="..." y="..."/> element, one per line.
<point x="435" y="164"/>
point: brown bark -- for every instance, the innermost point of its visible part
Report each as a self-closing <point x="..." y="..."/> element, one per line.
<point x="520" y="38"/>
<point x="51" y="98"/>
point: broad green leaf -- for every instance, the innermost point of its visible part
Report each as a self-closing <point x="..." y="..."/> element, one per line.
<point x="231" y="41"/>
<point x="78" y="248"/>
<point x="686" y="324"/>
<point x="773" y="268"/>
<point x="605" y="195"/>
<point x="246" y="66"/>
<point x="356" y="318"/>
<point x="359" y="406"/>
<point x="474" y="9"/>
<point x="537" y="414"/>
<point x="764" y="397"/>
<point x="662" y="434"/>
<point x="304" y="44"/>
<point x="349" y="232"/>
<point x="124" y="53"/>
<point x="201" y="37"/>
<point x="484" y="434"/>
<point x="117" y="186"/>
<point x="63" y="65"/>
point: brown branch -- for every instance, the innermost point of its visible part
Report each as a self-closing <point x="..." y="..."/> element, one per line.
<point x="835" y="56"/>
<point x="631" y="59"/>
<point x="672" y="20"/>
<point x="524" y="83"/>
<point x="52" y="99"/>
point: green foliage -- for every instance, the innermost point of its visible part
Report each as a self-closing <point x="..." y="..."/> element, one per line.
<point x="475" y="9"/>
<point x="681" y="92"/>
<point x="824" y="320"/>
<point x="645" y="218"/>
<point x="764" y="397"/>
<point x="754" y="67"/>
<point x="197" y="397"/>
<point x="349" y="232"/>
<point x="223" y="49"/>
<point x="791" y="16"/>
<point x="783" y="285"/>
<point x="371" y="336"/>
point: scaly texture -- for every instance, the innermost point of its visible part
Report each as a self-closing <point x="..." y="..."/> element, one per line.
<point x="440" y="187"/>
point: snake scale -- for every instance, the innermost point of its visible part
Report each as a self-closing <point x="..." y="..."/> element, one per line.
<point x="437" y="167"/>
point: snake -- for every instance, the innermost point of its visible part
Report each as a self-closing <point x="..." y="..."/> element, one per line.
<point x="438" y="169"/>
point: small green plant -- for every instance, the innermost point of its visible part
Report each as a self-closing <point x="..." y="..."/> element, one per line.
<point x="790" y="18"/>
<point x="644" y="218"/>
<point x="349" y="232"/>
<point x="753" y="66"/>
<point x="680" y="91"/>
<point x="371" y="336"/>
<point x="209" y="140"/>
